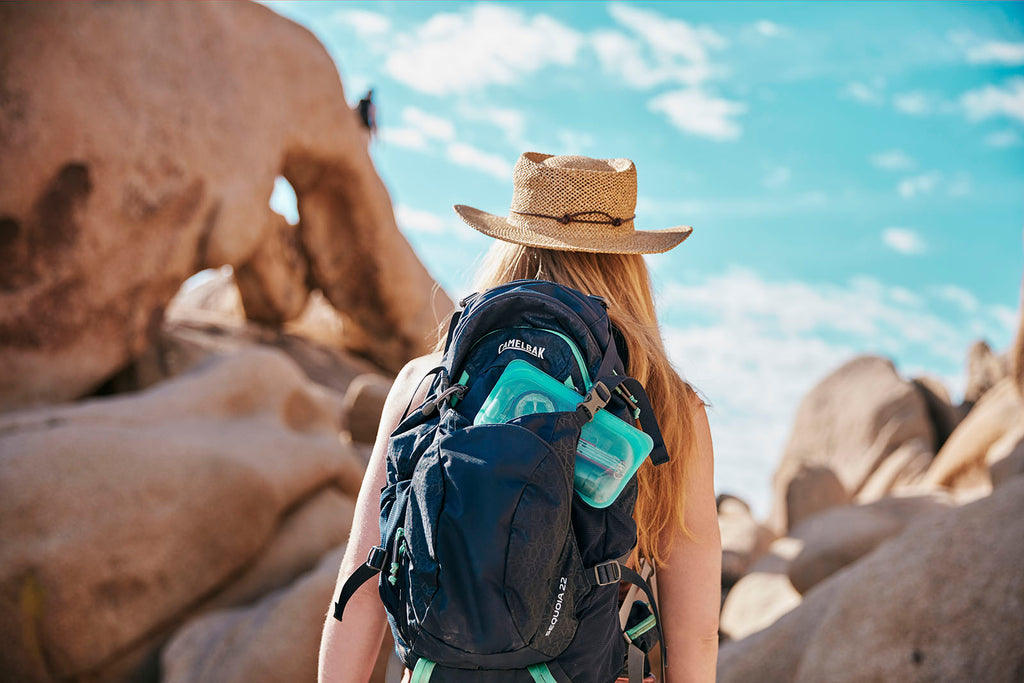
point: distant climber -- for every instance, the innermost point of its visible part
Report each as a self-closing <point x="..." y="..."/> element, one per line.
<point x="368" y="113"/>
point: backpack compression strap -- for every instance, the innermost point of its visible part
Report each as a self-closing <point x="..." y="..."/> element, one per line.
<point x="366" y="571"/>
<point x="614" y="571"/>
<point x="601" y="392"/>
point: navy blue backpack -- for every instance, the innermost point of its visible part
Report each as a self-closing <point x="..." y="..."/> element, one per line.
<point x="491" y="567"/>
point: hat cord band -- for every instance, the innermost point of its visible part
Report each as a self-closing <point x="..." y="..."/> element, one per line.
<point x="567" y="218"/>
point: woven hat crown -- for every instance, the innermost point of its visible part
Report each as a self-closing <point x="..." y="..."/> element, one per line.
<point x="569" y="184"/>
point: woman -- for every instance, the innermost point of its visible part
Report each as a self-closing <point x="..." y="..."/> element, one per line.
<point x="571" y="222"/>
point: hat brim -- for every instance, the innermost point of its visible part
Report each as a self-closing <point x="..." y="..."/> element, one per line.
<point x="633" y="242"/>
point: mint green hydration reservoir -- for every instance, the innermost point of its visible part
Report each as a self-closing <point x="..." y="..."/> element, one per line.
<point x="609" y="451"/>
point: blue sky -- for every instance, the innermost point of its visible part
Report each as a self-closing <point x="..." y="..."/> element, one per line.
<point x="854" y="172"/>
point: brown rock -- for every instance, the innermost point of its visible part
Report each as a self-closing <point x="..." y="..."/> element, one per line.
<point x="903" y="468"/>
<point x="119" y="516"/>
<point x="303" y="537"/>
<point x="364" y="402"/>
<point x="1017" y="351"/>
<point x="985" y="369"/>
<point x="961" y="462"/>
<point x="813" y="489"/>
<point x="943" y="601"/>
<point x="272" y="283"/>
<point x="763" y="594"/>
<point x="140" y="145"/>
<point x="849" y="423"/>
<point x="1005" y="458"/>
<point x="744" y="541"/>
<point x="840" y="536"/>
<point x="277" y="639"/>
<point x="943" y="414"/>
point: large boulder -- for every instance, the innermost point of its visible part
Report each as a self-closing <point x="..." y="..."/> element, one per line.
<point x="762" y="595"/>
<point x="960" y="464"/>
<point x="1005" y="458"/>
<point x="846" y="426"/>
<point x="903" y="468"/>
<point x="744" y="540"/>
<point x="943" y="601"/>
<point x="274" y="640"/>
<point x="985" y="369"/>
<point x="944" y="415"/>
<point x="1017" y="350"/>
<point x="140" y="144"/>
<point x="123" y="516"/>
<point x="841" y="536"/>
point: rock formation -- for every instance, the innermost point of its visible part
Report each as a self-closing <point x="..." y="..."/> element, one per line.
<point x="122" y="516"/>
<point x="845" y="427"/>
<point x="942" y="601"/>
<point x="150" y="154"/>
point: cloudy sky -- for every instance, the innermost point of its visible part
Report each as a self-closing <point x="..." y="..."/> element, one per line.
<point x="854" y="173"/>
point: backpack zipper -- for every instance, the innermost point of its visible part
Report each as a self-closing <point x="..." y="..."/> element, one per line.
<point x="572" y="347"/>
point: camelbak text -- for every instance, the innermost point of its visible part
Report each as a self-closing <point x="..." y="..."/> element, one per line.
<point x="523" y="346"/>
<point x="558" y="607"/>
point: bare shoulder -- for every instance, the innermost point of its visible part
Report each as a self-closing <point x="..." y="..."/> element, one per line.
<point x="410" y="378"/>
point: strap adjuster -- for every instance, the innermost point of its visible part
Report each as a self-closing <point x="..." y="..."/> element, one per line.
<point x="608" y="572"/>
<point x="596" y="399"/>
<point x="375" y="558"/>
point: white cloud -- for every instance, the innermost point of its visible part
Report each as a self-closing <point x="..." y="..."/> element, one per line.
<point x="870" y="94"/>
<point x="429" y="125"/>
<point x="893" y="160"/>
<point x="416" y="220"/>
<point x="667" y="36"/>
<point x="903" y="240"/>
<point x="960" y="186"/>
<point x="992" y="101"/>
<point x="919" y="184"/>
<point x="1003" y="138"/>
<point x="511" y="122"/>
<point x="997" y="52"/>
<point x="768" y="29"/>
<point x="694" y="111"/>
<point x="409" y="138"/>
<point x="454" y="52"/>
<point x="366" y="23"/>
<point x="959" y="296"/>
<point x="756" y="346"/>
<point x="574" y="141"/>
<point x="915" y="103"/>
<point x="472" y="157"/>
<point x="776" y="177"/>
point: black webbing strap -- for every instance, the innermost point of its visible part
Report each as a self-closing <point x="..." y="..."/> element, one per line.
<point x="599" y="395"/>
<point x="365" y="572"/>
<point x="614" y="571"/>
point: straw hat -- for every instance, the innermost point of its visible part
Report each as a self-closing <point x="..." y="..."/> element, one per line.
<point x="573" y="203"/>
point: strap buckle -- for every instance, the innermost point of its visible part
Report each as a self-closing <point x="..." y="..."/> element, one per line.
<point x="608" y="572"/>
<point x="375" y="558"/>
<point x="596" y="399"/>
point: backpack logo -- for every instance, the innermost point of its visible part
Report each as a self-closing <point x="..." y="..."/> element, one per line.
<point x="519" y="344"/>
<point x="558" y="607"/>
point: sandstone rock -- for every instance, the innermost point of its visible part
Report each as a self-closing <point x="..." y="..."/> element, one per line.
<point x="849" y="423"/>
<point x="903" y="468"/>
<point x="811" y="490"/>
<point x="141" y="144"/>
<point x="1005" y="458"/>
<point x="277" y="639"/>
<point x="943" y="601"/>
<point x="840" y="536"/>
<point x="364" y="402"/>
<point x="762" y="595"/>
<point x="120" y="516"/>
<point x="744" y="541"/>
<point x="985" y="369"/>
<point x="960" y="463"/>
<point x="943" y="414"/>
<point x="272" y="283"/>
<point x="303" y="537"/>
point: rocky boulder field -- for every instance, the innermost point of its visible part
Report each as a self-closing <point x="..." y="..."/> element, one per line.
<point x="179" y="460"/>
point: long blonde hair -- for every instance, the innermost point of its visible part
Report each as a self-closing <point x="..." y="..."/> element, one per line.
<point x="623" y="280"/>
